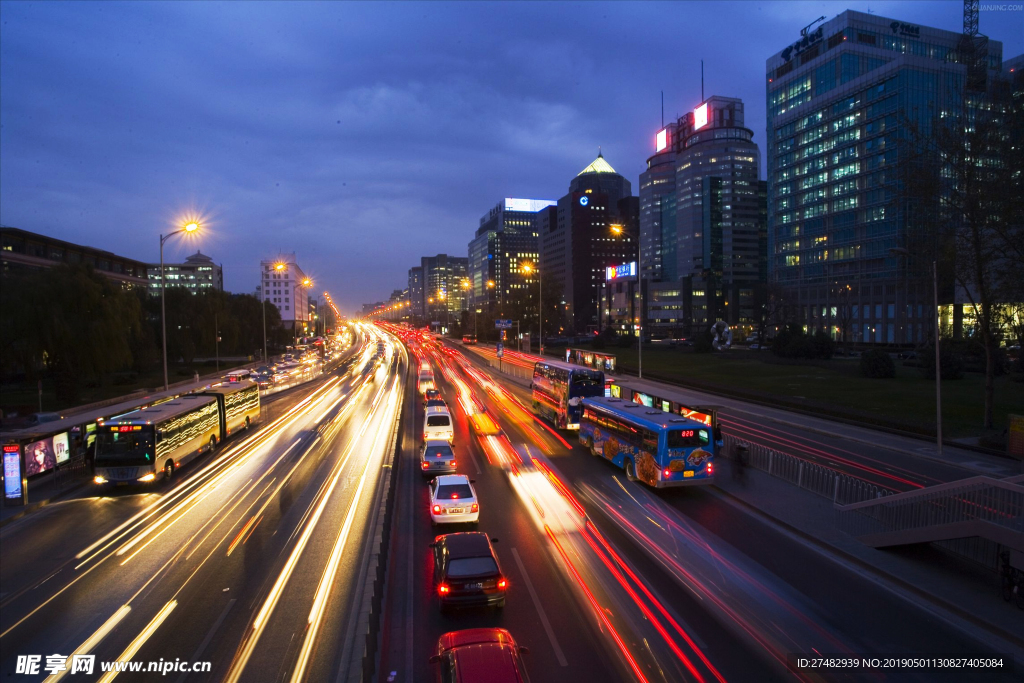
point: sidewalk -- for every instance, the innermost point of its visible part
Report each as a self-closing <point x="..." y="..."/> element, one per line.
<point x="925" y="576"/>
<point x="42" y="492"/>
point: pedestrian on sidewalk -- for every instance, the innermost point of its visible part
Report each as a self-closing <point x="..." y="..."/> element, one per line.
<point x="740" y="459"/>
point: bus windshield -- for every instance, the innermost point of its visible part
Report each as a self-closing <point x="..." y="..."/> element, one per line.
<point x="587" y="379"/>
<point x="115" y="447"/>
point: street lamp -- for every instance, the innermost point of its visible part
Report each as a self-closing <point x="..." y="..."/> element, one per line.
<point x="529" y="268"/>
<point x="190" y="227"/>
<point x="619" y="231"/>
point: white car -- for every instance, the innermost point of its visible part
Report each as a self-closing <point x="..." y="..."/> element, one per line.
<point x="453" y="500"/>
<point x="437" y="457"/>
<point x="425" y="381"/>
<point x="437" y="425"/>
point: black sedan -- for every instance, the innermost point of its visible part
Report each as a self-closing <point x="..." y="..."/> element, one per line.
<point x="466" y="571"/>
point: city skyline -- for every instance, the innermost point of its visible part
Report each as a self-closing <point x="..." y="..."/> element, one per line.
<point x="259" y="152"/>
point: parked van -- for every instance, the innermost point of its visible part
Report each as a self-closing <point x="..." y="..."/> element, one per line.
<point x="437" y="425"/>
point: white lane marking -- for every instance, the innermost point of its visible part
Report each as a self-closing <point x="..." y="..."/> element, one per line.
<point x="209" y="636"/>
<point x="93" y="640"/>
<point x="540" y="610"/>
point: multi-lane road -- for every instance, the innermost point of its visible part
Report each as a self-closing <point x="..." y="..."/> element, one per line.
<point x="248" y="562"/>
<point x="253" y="559"/>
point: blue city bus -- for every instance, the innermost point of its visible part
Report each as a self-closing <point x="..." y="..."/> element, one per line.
<point x="652" y="446"/>
<point x="558" y="389"/>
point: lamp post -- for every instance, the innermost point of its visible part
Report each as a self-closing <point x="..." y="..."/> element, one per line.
<point x="618" y="231"/>
<point x="528" y="268"/>
<point x="189" y="227"/>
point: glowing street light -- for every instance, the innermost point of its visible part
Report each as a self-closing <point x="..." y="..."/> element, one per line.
<point x="189" y="228"/>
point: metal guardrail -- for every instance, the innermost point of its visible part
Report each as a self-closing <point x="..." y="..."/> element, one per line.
<point x="973" y="517"/>
<point x="823" y="481"/>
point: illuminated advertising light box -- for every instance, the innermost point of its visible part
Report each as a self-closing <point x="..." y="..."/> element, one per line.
<point x="39" y="457"/>
<point x="61" y="449"/>
<point x="662" y="139"/>
<point x="619" y="272"/>
<point x="12" y="472"/>
<point x="700" y="116"/>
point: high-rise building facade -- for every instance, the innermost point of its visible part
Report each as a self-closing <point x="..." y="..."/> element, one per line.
<point x="197" y="274"/>
<point x="506" y="239"/>
<point x="839" y="101"/>
<point x="578" y="242"/>
<point x="283" y="284"/>
<point x="444" y="296"/>
<point x="416" y="292"/>
<point x="703" y="221"/>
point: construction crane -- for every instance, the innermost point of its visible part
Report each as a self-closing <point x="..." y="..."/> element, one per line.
<point x="974" y="48"/>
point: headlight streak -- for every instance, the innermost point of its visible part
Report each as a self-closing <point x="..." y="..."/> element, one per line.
<point x="214" y="472"/>
<point x="91" y="642"/>
<point x="141" y="639"/>
<point x="326" y="581"/>
<point x="259" y="623"/>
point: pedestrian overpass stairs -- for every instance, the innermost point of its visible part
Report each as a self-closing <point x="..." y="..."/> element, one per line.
<point x="980" y="507"/>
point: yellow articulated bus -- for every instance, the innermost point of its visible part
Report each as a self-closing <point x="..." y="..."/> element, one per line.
<point x="143" y="445"/>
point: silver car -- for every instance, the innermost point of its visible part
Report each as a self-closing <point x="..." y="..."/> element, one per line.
<point x="437" y="457"/>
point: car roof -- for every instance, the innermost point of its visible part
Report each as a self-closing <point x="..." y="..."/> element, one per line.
<point x="436" y="442"/>
<point x="467" y="544"/>
<point x="437" y="410"/>
<point x="452" y="479"/>
<point x="473" y="636"/>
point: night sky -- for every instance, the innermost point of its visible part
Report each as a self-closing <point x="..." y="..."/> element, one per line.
<point x="360" y="136"/>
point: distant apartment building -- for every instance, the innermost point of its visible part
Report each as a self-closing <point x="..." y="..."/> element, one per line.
<point x="506" y="240"/>
<point x="592" y="227"/>
<point x="21" y="250"/>
<point x="415" y="289"/>
<point x="197" y="274"/>
<point x="840" y="99"/>
<point x="444" y="296"/>
<point x="284" y="284"/>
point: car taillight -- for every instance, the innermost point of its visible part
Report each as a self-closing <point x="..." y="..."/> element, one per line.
<point x="443" y="589"/>
<point x="453" y="463"/>
<point x="666" y="473"/>
<point x="502" y="584"/>
<point x="424" y="436"/>
<point x="438" y="510"/>
<point x="425" y="465"/>
<point x="475" y="508"/>
<point x="711" y="468"/>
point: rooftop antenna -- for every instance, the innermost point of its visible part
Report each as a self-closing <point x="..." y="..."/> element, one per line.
<point x="806" y="29"/>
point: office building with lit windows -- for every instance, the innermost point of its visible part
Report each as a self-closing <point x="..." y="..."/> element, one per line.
<point x="198" y="273"/>
<point x="415" y="288"/>
<point x="703" y="223"/>
<point x="578" y="242"/>
<point x="839" y="101"/>
<point x="281" y="283"/>
<point x="506" y="239"/>
<point x="444" y="297"/>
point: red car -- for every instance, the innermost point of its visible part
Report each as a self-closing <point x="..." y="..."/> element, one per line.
<point x="479" y="655"/>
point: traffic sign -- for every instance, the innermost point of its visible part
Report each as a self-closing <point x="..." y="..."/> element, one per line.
<point x="501" y="349"/>
<point x="503" y="324"/>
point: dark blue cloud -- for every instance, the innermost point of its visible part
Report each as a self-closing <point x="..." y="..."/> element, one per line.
<point x="359" y="135"/>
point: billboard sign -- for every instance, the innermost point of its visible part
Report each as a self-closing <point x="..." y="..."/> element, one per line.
<point x="503" y="324"/>
<point x="700" y="116"/>
<point x="40" y="456"/>
<point x="620" y="272"/>
<point x="12" y="472"/>
<point x="662" y="141"/>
